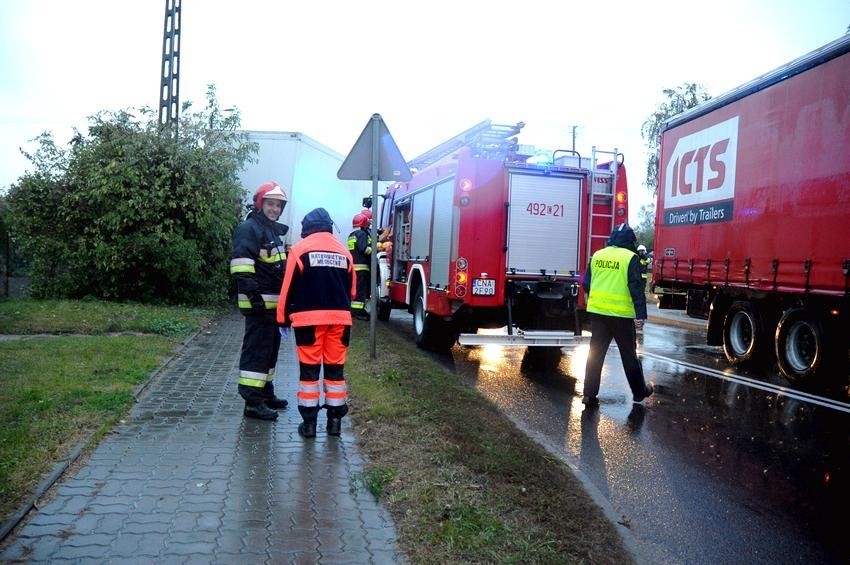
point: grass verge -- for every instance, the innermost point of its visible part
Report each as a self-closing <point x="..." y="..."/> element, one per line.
<point x="27" y="316"/>
<point x="56" y="391"/>
<point x="462" y="483"/>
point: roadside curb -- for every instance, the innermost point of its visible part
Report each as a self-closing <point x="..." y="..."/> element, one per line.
<point x="691" y="323"/>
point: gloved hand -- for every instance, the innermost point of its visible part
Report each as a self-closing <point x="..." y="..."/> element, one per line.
<point x="257" y="303"/>
<point x="284" y="331"/>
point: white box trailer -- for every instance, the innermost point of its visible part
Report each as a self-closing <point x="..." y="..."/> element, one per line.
<point x="306" y="169"/>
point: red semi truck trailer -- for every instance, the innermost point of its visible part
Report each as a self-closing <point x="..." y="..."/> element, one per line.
<point x="752" y="229"/>
<point x="486" y="237"/>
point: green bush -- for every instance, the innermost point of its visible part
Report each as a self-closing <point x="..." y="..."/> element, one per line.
<point x="130" y="212"/>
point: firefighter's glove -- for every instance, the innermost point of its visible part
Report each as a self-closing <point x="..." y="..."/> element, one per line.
<point x="258" y="305"/>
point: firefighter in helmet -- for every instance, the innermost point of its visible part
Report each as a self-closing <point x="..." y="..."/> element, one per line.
<point x="258" y="263"/>
<point x="360" y="247"/>
<point x="644" y="263"/>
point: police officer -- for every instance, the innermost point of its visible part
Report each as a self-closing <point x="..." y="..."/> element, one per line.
<point x="258" y="262"/>
<point x="360" y="247"/>
<point x="315" y="301"/>
<point x="617" y="306"/>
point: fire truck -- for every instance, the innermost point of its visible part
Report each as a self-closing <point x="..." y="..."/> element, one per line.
<point x="489" y="233"/>
<point x="752" y="229"/>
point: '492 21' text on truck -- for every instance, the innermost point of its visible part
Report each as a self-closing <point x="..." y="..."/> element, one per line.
<point x="485" y="236"/>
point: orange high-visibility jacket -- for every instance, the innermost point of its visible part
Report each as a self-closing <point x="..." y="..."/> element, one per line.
<point x="319" y="283"/>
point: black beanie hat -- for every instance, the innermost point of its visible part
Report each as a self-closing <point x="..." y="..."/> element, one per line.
<point x="315" y="221"/>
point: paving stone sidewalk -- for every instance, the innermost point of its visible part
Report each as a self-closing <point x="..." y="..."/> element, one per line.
<point x="186" y="479"/>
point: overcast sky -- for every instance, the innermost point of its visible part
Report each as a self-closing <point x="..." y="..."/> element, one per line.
<point x="431" y="69"/>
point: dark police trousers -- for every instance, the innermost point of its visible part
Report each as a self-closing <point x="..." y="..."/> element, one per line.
<point x="622" y="331"/>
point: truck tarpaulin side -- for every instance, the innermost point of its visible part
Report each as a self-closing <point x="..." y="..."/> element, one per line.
<point x="753" y="215"/>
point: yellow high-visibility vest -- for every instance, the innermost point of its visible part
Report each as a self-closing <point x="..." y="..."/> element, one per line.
<point x="609" y="283"/>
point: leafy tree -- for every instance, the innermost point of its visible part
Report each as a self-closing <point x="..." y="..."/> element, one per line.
<point x="129" y="212"/>
<point x="645" y="230"/>
<point x="677" y="101"/>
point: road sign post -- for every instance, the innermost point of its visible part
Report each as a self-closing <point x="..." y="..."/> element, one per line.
<point x="375" y="157"/>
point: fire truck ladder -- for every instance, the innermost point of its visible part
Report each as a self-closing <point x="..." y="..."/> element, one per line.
<point x="608" y="196"/>
<point x="485" y="136"/>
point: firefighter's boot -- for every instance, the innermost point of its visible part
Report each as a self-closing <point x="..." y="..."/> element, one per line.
<point x="335" y="414"/>
<point x="309" y="414"/>
<point x="307" y="428"/>
<point x="271" y="400"/>
<point x="259" y="412"/>
<point x="255" y="407"/>
<point x="334" y="426"/>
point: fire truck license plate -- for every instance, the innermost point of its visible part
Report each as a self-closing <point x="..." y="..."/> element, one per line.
<point x="484" y="287"/>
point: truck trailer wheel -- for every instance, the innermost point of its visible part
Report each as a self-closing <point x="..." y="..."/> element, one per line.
<point x="430" y="332"/>
<point x="744" y="334"/>
<point x="799" y="345"/>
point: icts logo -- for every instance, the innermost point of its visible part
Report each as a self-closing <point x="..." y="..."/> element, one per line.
<point x="701" y="169"/>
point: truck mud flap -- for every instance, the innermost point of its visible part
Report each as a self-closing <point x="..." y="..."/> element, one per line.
<point x="526" y="338"/>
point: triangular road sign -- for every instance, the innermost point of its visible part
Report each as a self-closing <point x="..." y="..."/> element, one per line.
<point x="375" y="156"/>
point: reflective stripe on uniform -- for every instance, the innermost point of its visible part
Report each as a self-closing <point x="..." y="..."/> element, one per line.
<point x="241" y="265"/>
<point x="336" y="393"/>
<point x="253" y="378"/>
<point x="270" y="300"/>
<point x="276" y="255"/>
<point x="308" y="393"/>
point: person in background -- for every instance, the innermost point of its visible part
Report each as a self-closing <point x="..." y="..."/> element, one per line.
<point x="257" y="263"/>
<point x="644" y="263"/>
<point x="385" y="241"/>
<point x="315" y="300"/>
<point x="360" y="247"/>
<point x="616" y="304"/>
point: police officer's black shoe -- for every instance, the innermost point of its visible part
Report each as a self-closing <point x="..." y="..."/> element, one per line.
<point x="334" y="426"/>
<point x="307" y="428"/>
<point x="276" y="403"/>
<point x="259" y="412"/>
<point x="590" y="401"/>
<point x="650" y="388"/>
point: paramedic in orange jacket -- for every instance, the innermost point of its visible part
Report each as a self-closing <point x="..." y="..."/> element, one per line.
<point x="315" y="300"/>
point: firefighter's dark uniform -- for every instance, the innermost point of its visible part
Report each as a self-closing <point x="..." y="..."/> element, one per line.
<point x="258" y="264"/>
<point x="316" y="301"/>
<point x="644" y="268"/>
<point x="360" y="247"/>
<point x="616" y="298"/>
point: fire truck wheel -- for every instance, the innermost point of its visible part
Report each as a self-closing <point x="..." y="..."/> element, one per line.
<point x="430" y="332"/>
<point x="744" y="334"/>
<point x="384" y="309"/>
<point x="799" y="345"/>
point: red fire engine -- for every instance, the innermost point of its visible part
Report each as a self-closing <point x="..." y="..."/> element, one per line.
<point x="485" y="237"/>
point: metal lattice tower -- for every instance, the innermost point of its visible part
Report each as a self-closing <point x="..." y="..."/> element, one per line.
<point x="169" y="89"/>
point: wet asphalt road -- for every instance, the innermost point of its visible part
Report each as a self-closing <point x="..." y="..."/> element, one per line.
<point x="708" y="470"/>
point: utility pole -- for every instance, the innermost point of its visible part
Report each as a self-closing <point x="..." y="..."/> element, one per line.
<point x="169" y="86"/>
<point x="574" y="138"/>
